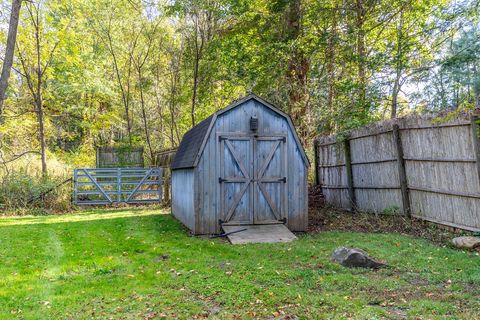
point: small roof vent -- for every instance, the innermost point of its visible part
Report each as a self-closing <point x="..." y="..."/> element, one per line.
<point x="254" y="123"/>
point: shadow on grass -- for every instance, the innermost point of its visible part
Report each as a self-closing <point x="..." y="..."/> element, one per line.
<point x="87" y="215"/>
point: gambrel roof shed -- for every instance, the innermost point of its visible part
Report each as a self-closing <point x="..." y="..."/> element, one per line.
<point x="244" y="164"/>
<point x="193" y="141"/>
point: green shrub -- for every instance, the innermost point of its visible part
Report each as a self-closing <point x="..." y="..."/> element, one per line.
<point x="21" y="193"/>
<point x="392" y="210"/>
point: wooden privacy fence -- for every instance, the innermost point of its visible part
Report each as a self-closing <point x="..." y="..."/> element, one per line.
<point x="117" y="185"/>
<point x="406" y="166"/>
<point x="111" y="157"/>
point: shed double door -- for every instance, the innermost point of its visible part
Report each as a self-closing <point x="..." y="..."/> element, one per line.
<point x="253" y="176"/>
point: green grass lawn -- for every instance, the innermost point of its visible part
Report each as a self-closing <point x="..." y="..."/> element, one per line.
<point x="141" y="264"/>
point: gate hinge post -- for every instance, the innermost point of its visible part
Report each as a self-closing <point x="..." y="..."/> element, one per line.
<point x="119" y="185"/>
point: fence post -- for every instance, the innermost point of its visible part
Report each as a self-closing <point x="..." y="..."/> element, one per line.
<point x="166" y="182"/>
<point x="402" y="174"/>
<point x="160" y="182"/>
<point x="476" y="140"/>
<point x="348" y="166"/>
<point x="119" y="185"/>
<point x="315" y="162"/>
<point x="75" y="190"/>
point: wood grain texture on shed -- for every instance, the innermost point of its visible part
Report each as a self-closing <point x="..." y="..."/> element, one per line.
<point x="245" y="176"/>
<point x="183" y="187"/>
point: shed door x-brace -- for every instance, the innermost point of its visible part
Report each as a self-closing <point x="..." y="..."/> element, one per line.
<point x="253" y="176"/>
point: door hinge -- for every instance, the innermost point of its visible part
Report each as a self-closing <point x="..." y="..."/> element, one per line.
<point x="284" y="220"/>
<point x="284" y="139"/>
<point x="220" y="180"/>
<point x="284" y="179"/>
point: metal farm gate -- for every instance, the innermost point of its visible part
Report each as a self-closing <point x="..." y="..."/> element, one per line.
<point x="117" y="185"/>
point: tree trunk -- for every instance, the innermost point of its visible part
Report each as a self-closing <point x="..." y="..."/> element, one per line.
<point x="194" y="96"/>
<point x="476" y="87"/>
<point x="399" y="65"/>
<point x="144" y="116"/>
<point x="125" y="95"/>
<point x="41" y="122"/>
<point x="294" y="78"/>
<point x="39" y="101"/>
<point x="199" y="37"/>
<point x="361" y="54"/>
<point x="395" y="91"/>
<point x="330" y="58"/>
<point x="8" y="61"/>
<point x="443" y="98"/>
<point x="195" y="78"/>
<point x="159" y="104"/>
<point x="172" y="104"/>
<point x="172" y="119"/>
<point x="127" y="105"/>
<point x="298" y="66"/>
<point x="477" y="98"/>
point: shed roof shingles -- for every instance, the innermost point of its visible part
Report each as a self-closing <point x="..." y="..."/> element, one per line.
<point x="190" y="145"/>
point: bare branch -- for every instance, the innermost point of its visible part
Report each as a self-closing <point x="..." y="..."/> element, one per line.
<point x="16" y="157"/>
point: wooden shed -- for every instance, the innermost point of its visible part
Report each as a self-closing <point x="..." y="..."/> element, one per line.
<point x="243" y="165"/>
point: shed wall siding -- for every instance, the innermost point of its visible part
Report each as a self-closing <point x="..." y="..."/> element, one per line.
<point x="208" y="169"/>
<point x="208" y="189"/>
<point x="183" y="195"/>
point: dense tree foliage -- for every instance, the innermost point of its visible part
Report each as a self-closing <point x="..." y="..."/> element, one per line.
<point x="90" y="73"/>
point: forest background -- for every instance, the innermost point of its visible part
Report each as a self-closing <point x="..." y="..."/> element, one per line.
<point x="129" y="73"/>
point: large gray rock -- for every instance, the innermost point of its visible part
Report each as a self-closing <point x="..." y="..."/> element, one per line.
<point x="355" y="258"/>
<point x="466" y="242"/>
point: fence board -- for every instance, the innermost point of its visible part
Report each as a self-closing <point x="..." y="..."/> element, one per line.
<point x="110" y="157"/>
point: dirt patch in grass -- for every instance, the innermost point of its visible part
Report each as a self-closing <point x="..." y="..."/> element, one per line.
<point x="210" y="306"/>
<point x="326" y="218"/>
